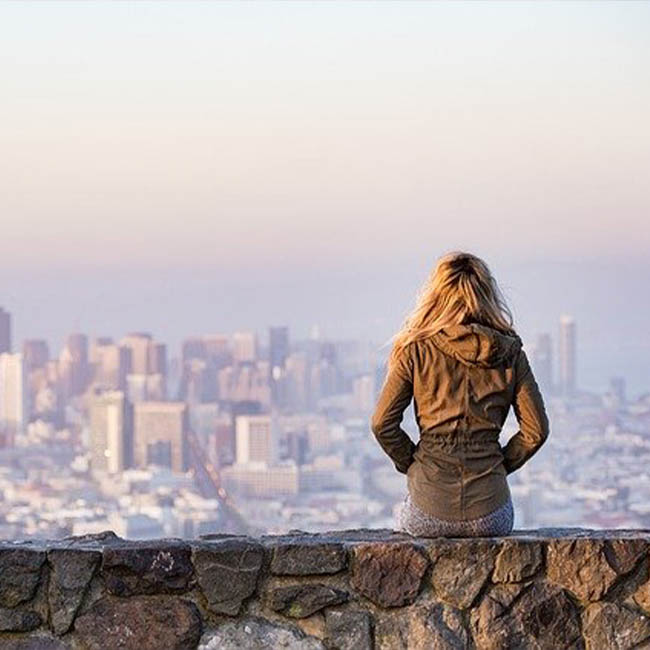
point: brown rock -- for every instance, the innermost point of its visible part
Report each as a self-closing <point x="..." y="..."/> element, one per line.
<point x="438" y="626"/>
<point x="537" y="615"/>
<point x="642" y="596"/>
<point x="20" y="573"/>
<point x="606" y="625"/>
<point x="307" y="558"/>
<point x="580" y="565"/>
<point x="623" y="554"/>
<point x="389" y="574"/>
<point x="517" y="561"/>
<point x="149" y="567"/>
<point x="140" y="623"/>
<point x="300" y="601"/>
<point x="227" y="572"/>
<point x="71" y="571"/>
<point x="461" y="568"/>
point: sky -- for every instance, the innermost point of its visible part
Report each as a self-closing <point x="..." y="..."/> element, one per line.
<point x="190" y="167"/>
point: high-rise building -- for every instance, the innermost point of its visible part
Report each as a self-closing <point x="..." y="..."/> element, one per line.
<point x="542" y="362"/>
<point x="617" y="388"/>
<point x="13" y="397"/>
<point x="278" y="353"/>
<point x="567" y="356"/>
<point x="77" y="348"/>
<point x="111" y="432"/>
<point x="5" y="331"/>
<point x="244" y="346"/>
<point x="256" y="440"/>
<point x="160" y="435"/>
<point x="146" y="356"/>
<point x="110" y="364"/>
<point x="36" y="353"/>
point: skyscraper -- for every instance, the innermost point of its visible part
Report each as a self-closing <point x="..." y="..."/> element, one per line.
<point x="160" y="435"/>
<point x="111" y="432"/>
<point x="13" y="397"/>
<point x="278" y="353"/>
<point x="256" y="442"/>
<point x="244" y="346"/>
<point x="5" y="331"/>
<point x="567" y="356"/>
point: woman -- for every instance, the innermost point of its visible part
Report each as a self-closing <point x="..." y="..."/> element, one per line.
<point x="458" y="356"/>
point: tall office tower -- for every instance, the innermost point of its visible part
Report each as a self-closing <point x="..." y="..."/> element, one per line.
<point x="5" y="331"/>
<point x="192" y="348"/>
<point x="160" y="435"/>
<point x="77" y="347"/>
<point x="278" y="353"/>
<point x="138" y="343"/>
<point x="13" y="397"/>
<point x="36" y="353"/>
<point x="111" y="432"/>
<point x="567" y="356"/>
<point x="110" y="364"/>
<point x="256" y="440"/>
<point x="363" y="391"/>
<point x="244" y="346"/>
<point x="542" y="362"/>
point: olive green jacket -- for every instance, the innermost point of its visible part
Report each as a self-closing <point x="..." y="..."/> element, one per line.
<point x="463" y="381"/>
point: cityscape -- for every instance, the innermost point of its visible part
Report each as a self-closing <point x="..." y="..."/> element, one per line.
<point x="250" y="433"/>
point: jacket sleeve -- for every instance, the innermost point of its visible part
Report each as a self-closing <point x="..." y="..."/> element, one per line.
<point x="394" y="398"/>
<point x="528" y="406"/>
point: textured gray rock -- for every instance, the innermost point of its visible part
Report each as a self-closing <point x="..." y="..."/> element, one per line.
<point x="140" y="623"/>
<point x="35" y="642"/>
<point x="537" y="615"/>
<point x="349" y="630"/>
<point x="461" y="568"/>
<point x="517" y="560"/>
<point x="606" y="625"/>
<point x="71" y="571"/>
<point x="302" y="600"/>
<point x="18" y="620"/>
<point x="581" y="566"/>
<point x="257" y="634"/>
<point x="302" y="558"/>
<point x="623" y="554"/>
<point x="20" y="574"/>
<point x="146" y="567"/>
<point x="227" y="571"/>
<point x="390" y="574"/>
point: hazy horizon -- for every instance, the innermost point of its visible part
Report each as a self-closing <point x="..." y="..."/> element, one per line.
<point x="191" y="167"/>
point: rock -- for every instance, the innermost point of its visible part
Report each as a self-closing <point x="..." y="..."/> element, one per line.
<point x="580" y="565"/>
<point x="313" y="625"/>
<point x="71" y="571"/>
<point x="390" y="574"/>
<point x="227" y="571"/>
<point x="623" y="554"/>
<point x="438" y="626"/>
<point x="517" y="561"/>
<point x="460" y="569"/>
<point x="642" y="596"/>
<point x="537" y="615"/>
<point x="18" y="620"/>
<point x="606" y="625"/>
<point x="257" y="634"/>
<point x="349" y="630"/>
<point x="151" y="567"/>
<point x="140" y="623"/>
<point x="34" y="642"/>
<point x="307" y="558"/>
<point x="103" y="538"/>
<point x="20" y="573"/>
<point x="300" y="601"/>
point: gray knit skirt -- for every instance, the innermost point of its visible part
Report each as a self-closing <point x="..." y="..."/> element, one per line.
<point x="415" y="522"/>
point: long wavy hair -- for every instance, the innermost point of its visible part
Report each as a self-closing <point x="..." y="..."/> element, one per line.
<point x="459" y="290"/>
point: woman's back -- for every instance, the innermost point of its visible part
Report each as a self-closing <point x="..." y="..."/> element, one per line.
<point x="463" y="380"/>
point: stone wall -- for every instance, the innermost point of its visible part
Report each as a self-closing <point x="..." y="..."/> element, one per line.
<point x="549" y="588"/>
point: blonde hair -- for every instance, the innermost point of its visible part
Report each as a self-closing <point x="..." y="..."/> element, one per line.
<point x="460" y="289"/>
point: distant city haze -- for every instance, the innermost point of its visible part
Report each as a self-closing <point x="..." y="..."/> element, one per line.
<point x="189" y="168"/>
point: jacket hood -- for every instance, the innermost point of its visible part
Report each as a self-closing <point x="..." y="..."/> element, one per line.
<point x="475" y="344"/>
